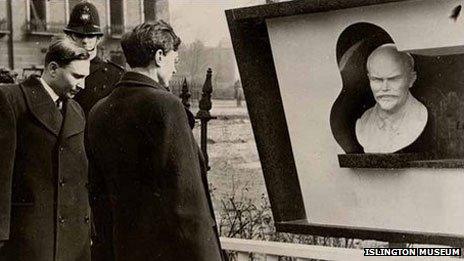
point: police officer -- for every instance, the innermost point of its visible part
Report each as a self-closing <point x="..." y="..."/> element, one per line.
<point x="84" y="28"/>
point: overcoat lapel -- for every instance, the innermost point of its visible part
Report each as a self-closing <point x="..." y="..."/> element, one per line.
<point x="41" y="105"/>
<point x="74" y="122"/>
<point x="95" y="65"/>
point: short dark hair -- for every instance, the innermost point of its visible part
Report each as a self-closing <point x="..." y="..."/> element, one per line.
<point x="63" y="51"/>
<point x="141" y="44"/>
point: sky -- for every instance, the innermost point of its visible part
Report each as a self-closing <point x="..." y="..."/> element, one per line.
<point x="204" y="20"/>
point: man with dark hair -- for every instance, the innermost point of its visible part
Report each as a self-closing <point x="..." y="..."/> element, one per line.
<point x="84" y="29"/>
<point x="144" y="159"/>
<point x="44" y="209"/>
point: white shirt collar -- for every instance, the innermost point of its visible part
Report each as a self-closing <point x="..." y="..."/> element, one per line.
<point x="49" y="90"/>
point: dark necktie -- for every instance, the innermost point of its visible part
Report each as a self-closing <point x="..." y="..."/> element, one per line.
<point x="60" y="104"/>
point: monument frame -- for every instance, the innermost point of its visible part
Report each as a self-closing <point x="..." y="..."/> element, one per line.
<point x="258" y="74"/>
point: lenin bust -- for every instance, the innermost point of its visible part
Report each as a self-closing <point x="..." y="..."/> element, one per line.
<point x="397" y="119"/>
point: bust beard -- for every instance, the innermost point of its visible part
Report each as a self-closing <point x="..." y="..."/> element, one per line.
<point x="392" y="133"/>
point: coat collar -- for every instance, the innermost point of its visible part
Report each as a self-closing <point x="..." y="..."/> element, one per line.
<point x="44" y="109"/>
<point x="74" y="121"/>
<point x="95" y="64"/>
<point x="96" y="60"/>
<point x="137" y="79"/>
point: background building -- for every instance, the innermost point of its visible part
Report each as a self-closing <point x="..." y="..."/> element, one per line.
<point x="26" y="26"/>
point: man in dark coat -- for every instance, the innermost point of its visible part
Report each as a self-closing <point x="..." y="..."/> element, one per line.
<point x="144" y="159"/>
<point x="44" y="209"/>
<point x="84" y="28"/>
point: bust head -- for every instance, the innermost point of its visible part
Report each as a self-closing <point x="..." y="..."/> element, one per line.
<point x="391" y="74"/>
<point x="398" y="118"/>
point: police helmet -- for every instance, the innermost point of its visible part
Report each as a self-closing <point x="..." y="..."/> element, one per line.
<point x="84" y="20"/>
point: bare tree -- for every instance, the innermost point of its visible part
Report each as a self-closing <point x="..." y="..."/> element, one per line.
<point x="193" y="62"/>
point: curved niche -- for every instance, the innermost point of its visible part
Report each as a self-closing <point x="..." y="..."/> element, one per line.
<point x="439" y="86"/>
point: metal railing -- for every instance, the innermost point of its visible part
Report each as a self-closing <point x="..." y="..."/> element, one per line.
<point x="203" y="114"/>
<point x="40" y="27"/>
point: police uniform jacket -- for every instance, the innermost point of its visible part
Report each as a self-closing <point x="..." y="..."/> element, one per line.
<point x="144" y="159"/>
<point x="99" y="83"/>
<point x="44" y="210"/>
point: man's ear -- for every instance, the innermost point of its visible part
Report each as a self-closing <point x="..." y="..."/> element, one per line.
<point x="99" y="39"/>
<point x="52" y="68"/>
<point x="412" y="79"/>
<point x="159" y="57"/>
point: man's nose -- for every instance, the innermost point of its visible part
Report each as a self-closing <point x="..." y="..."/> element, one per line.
<point x="80" y="85"/>
<point x="85" y="39"/>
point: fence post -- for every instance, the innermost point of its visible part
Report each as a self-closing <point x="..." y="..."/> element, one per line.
<point x="243" y="256"/>
<point x="271" y="258"/>
<point x="204" y="115"/>
<point x="185" y="94"/>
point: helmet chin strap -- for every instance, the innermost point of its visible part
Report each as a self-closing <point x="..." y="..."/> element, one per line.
<point x="93" y="52"/>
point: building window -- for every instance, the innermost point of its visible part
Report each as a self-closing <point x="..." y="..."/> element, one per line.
<point x="117" y="17"/>
<point x="3" y="25"/>
<point x="149" y="10"/>
<point x="3" y="17"/>
<point x="72" y="4"/>
<point x="38" y="15"/>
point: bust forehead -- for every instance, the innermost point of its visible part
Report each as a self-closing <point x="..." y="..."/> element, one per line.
<point x="388" y="58"/>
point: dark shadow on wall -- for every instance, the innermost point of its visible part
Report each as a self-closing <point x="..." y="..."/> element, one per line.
<point x="440" y="86"/>
<point x="353" y="47"/>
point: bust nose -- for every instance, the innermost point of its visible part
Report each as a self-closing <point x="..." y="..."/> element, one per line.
<point x="385" y="85"/>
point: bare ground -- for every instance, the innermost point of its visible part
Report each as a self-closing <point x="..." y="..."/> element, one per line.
<point x="236" y="170"/>
<point x="233" y="156"/>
